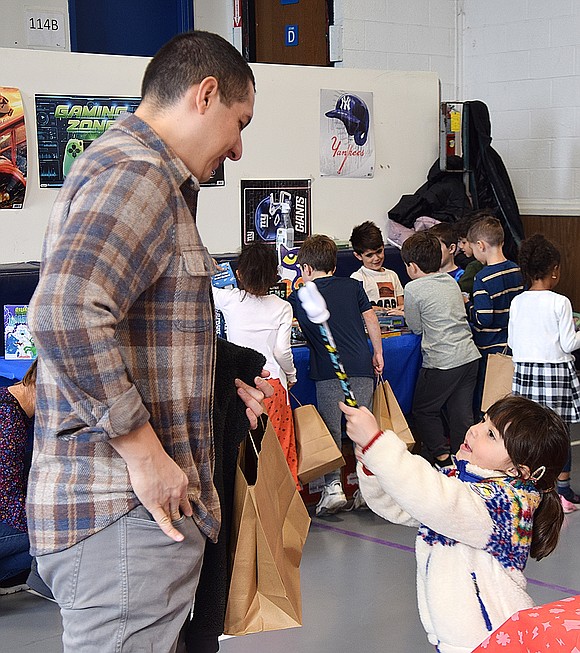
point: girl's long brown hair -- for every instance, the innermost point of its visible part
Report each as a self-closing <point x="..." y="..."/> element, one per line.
<point x="536" y="437"/>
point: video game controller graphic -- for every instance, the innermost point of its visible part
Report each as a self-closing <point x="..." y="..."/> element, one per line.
<point x="73" y="149"/>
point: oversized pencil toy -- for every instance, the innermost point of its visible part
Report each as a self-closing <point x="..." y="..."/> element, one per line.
<point x="315" y="308"/>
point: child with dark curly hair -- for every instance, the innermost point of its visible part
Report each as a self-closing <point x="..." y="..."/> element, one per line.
<point x="542" y="337"/>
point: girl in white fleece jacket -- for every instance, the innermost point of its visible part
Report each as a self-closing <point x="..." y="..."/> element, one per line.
<point x="478" y="521"/>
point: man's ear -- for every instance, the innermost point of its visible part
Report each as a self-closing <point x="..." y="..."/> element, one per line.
<point x="206" y="93"/>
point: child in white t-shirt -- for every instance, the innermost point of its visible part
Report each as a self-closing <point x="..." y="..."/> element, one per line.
<point x="381" y="285"/>
<point x="263" y="322"/>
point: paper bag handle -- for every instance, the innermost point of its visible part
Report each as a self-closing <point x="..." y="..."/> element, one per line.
<point x="295" y="398"/>
<point x="253" y="444"/>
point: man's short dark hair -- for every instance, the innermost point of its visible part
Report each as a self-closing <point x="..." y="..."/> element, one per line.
<point x="189" y="58"/>
<point x="424" y="249"/>
<point x="489" y="230"/>
<point x="366" y="236"/>
<point x="319" y="252"/>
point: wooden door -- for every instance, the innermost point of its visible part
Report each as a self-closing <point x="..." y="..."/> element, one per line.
<point x="290" y="31"/>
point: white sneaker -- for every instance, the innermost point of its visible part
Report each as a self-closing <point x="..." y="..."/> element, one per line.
<point x="332" y="499"/>
<point x="358" y="501"/>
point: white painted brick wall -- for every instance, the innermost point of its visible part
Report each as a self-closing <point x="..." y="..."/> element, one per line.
<point x="522" y="58"/>
<point x="400" y="35"/>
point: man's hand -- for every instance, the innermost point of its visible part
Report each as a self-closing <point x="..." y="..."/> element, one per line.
<point x="254" y="396"/>
<point x="158" y="482"/>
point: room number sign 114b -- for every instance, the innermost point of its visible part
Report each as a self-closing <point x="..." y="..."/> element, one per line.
<point x="45" y="29"/>
<point x="46" y="23"/>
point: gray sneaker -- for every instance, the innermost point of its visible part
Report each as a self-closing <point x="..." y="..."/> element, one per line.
<point x="332" y="499"/>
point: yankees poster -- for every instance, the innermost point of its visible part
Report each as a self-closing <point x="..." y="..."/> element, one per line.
<point x="346" y="134"/>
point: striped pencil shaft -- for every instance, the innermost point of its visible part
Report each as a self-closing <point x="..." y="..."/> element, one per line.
<point x="325" y="332"/>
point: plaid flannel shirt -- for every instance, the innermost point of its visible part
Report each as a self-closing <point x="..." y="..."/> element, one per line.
<point x="123" y="321"/>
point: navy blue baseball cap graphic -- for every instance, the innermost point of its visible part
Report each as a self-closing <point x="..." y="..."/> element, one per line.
<point x="354" y="114"/>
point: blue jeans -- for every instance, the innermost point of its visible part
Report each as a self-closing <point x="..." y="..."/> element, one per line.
<point x="14" y="556"/>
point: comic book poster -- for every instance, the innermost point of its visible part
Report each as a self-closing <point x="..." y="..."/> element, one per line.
<point x="18" y="342"/>
<point x="347" y="146"/>
<point x="270" y="207"/>
<point x="67" y="124"/>
<point x="13" y="152"/>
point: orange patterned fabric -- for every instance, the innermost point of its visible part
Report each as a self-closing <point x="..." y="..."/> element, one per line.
<point x="551" y="627"/>
<point x="280" y="414"/>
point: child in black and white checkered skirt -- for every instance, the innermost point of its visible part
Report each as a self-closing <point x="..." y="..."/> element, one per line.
<point x="542" y="335"/>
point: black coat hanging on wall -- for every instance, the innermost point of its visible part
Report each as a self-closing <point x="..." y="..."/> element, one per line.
<point x="442" y="197"/>
<point x="489" y="182"/>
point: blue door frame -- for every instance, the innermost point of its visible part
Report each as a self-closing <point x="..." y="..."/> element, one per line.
<point x="127" y="27"/>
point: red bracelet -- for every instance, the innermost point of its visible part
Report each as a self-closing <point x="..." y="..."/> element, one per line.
<point x="370" y="443"/>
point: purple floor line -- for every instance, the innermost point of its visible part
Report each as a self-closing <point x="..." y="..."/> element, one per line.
<point x="410" y="549"/>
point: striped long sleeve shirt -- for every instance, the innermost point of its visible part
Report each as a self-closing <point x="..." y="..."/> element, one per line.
<point x="494" y="287"/>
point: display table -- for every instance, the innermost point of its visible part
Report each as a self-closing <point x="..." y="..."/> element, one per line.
<point x="402" y="357"/>
<point x="12" y="371"/>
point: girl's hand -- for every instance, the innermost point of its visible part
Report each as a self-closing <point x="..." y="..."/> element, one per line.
<point x="361" y="425"/>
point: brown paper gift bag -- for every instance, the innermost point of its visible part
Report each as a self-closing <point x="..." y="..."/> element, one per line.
<point x="389" y="415"/>
<point x="499" y="374"/>
<point x="317" y="451"/>
<point x="270" y="525"/>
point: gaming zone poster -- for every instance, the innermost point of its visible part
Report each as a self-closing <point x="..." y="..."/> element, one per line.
<point x="270" y="205"/>
<point x="347" y="147"/>
<point x="67" y="124"/>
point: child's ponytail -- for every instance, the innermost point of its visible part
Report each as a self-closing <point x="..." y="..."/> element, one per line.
<point x="537" y="440"/>
<point x="548" y="520"/>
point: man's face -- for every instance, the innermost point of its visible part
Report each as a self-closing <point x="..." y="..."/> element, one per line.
<point x="372" y="258"/>
<point x="224" y="139"/>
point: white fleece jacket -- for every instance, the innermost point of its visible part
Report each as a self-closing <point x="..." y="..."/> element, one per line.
<point x="473" y="541"/>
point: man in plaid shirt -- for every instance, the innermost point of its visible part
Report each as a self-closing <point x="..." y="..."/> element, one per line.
<point x="121" y="497"/>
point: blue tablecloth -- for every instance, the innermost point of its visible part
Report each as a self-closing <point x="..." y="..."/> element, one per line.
<point x="402" y="356"/>
<point x="13" y="370"/>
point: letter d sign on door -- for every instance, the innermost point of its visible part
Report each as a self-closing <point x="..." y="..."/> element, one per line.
<point x="291" y="35"/>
